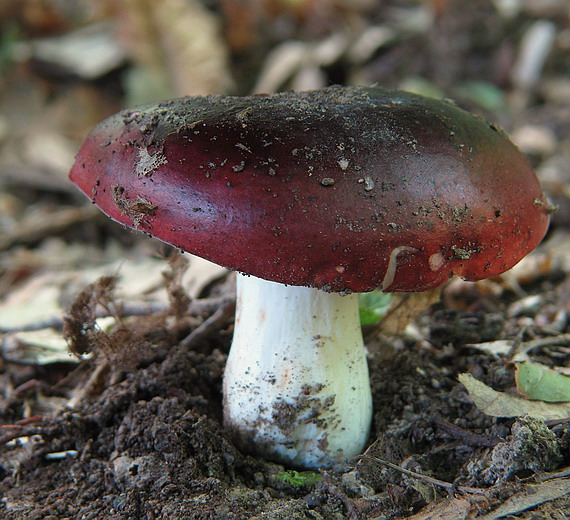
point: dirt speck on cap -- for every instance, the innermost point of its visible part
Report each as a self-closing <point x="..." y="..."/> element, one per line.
<point x="137" y="209"/>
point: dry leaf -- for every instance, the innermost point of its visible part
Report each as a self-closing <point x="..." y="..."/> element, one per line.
<point x="455" y="509"/>
<point x="405" y="307"/>
<point x="500" y="347"/>
<point x="200" y="274"/>
<point x="41" y="223"/>
<point x="34" y="301"/>
<point x="38" y="347"/>
<point x="280" y="65"/>
<point x="176" y="41"/>
<point x="300" y="62"/>
<point x="500" y="404"/>
<point x="89" y="52"/>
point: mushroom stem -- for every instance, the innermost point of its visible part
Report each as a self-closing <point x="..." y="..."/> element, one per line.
<point x="296" y="386"/>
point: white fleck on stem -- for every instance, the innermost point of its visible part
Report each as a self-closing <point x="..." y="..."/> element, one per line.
<point x="296" y="386"/>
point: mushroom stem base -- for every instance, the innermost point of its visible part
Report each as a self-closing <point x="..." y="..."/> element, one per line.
<point x="296" y="386"/>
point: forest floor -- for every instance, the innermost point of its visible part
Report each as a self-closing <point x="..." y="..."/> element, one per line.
<point x="130" y="426"/>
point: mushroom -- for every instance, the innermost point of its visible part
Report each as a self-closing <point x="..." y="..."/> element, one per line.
<point x="314" y="197"/>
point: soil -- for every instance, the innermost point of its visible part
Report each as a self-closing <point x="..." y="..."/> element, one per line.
<point x="149" y="443"/>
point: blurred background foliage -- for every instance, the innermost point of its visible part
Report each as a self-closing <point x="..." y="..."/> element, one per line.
<point x="67" y="64"/>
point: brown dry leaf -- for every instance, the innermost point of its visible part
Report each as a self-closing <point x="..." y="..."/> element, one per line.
<point x="40" y="126"/>
<point x="89" y="52"/>
<point x="559" y="248"/>
<point x="301" y="63"/>
<point x="201" y="274"/>
<point x="177" y="45"/>
<point x="405" y="308"/>
<point x="242" y="23"/>
<point x="466" y="506"/>
<point x="34" y="301"/>
<point x="280" y="65"/>
<point x="532" y="267"/>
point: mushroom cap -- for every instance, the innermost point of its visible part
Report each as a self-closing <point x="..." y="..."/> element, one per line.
<point x="342" y="189"/>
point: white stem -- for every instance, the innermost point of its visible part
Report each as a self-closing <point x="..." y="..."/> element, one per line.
<point x="296" y="386"/>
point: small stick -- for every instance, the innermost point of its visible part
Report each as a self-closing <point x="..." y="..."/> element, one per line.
<point x="24" y="422"/>
<point x="430" y="480"/>
<point x="471" y="439"/>
<point x="124" y="310"/>
<point x="18" y="434"/>
<point x="211" y="324"/>
<point x="563" y="473"/>
<point x="94" y="379"/>
<point x="561" y="340"/>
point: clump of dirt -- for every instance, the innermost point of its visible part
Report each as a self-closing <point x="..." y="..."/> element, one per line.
<point x="531" y="448"/>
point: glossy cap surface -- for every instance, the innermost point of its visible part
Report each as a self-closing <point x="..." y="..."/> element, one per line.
<point x="339" y="189"/>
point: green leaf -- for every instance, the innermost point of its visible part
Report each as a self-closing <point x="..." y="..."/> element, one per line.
<point x="541" y="383"/>
<point x="422" y="86"/>
<point x="299" y="478"/>
<point x="373" y="306"/>
<point x="10" y="36"/>
<point x="485" y="94"/>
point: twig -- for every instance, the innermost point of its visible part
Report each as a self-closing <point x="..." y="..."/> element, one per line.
<point x="563" y="473"/>
<point x="214" y="322"/>
<point x="430" y="480"/>
<point x="19" y="434"/>
<point x="471" y="439"/>
<point x="80" y="394"/>
<point x="24" y="422"/>
<point x="37" y="225"/>
<point x="562" y="340"/>
<point x="125" y="310"/>
<point x="557" y="422"/>
<point x="30" y="384"/>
